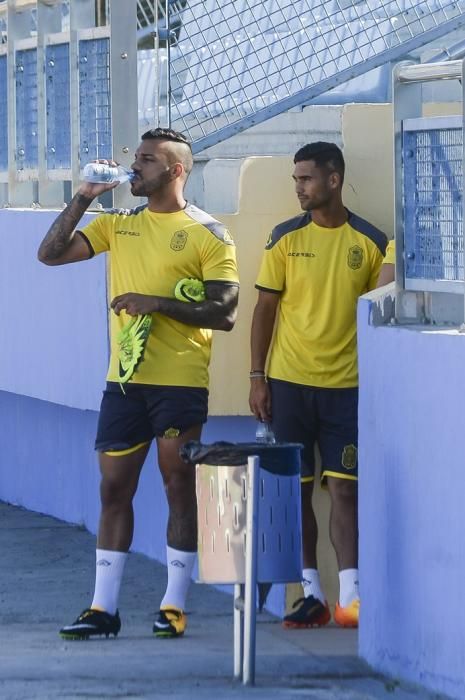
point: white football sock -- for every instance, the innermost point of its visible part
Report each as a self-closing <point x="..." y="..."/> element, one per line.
<point x="348" y="587"/>
<point x="311" y="584"/>
<point x="108" y="574"/>
<point x="180" y="565"/>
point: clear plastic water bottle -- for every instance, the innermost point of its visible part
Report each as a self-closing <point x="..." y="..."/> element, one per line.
<point x="102" y="173"/>
<point x="264" y="434"/>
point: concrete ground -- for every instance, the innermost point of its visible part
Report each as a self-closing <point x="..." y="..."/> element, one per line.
<point x="46" y="579"/>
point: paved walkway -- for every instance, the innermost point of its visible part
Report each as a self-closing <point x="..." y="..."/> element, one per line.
<point x="46" y="579"/>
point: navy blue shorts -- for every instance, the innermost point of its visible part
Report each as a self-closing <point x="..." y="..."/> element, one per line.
<point x="146" y="411"/>
<point x="327" y="417"/>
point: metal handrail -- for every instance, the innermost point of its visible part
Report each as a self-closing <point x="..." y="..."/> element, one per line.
<point x="427" y="72"/>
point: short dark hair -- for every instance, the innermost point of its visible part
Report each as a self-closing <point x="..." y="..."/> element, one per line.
<point x="184" y="155"/>
<point x="324" y="154"/>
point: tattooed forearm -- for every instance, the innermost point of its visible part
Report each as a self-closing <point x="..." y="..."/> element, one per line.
<point x="61" y="232"/>
<point x="218" y="311"/>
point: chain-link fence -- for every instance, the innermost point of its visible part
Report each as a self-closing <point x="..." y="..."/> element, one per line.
<point x="238" y="63"/>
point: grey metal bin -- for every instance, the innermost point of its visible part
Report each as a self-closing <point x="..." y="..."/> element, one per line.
<point x="249" y="526"/>
<point x="222" y="516"/>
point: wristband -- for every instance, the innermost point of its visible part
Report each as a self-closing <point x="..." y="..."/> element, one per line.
<point x="256" y="373"/>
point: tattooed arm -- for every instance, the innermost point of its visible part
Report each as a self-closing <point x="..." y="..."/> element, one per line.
<point x="217" y="312"/>
<point x="61" y="245"/>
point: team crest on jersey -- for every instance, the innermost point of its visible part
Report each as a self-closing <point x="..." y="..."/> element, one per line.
<point x="178" y="240"/>
<point x="355" y="257"/>
<point x="171" y="433"/>
<point x="349" y="457"/>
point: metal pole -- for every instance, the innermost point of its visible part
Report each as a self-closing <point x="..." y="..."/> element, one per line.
<point x="238" y="630"/>
<point x="48" y="22"/>
<point x="81" y="17"/>
<point x="156" y="46"/>
<point x="19" y="193"/>
<point x="168" y="63"/>
<point x="250" y="597"/>
<point x="406" y="103"/>
<point x="463" y="174"/>
<point x="123" y="71"/>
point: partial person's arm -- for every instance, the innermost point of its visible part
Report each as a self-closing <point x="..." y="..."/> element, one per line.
<point x="261" y="334"/>
<point x="61" y="245"/>
<point x="386" y="275"/>
<point x="388" y="269"/>
<point x="218" y="311"/>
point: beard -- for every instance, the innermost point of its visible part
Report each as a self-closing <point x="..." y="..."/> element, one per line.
<point x="311" y="203"/>
<point x="145" y="188"/>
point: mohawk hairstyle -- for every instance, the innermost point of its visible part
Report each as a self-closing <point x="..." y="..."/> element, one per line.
<point x="167" y="134"/>
<point x="183" y="155"/>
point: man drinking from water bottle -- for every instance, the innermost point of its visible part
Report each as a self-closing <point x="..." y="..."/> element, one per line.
<point x="157" y="382"/>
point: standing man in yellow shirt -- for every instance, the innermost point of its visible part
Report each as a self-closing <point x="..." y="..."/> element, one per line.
<point x="304" y="377"/>
<point x="164" y="396"/>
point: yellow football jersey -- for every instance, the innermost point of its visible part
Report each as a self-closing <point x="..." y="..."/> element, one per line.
<point x="390" y="257"/>
<point x="149" y="253"/>
<point x="319" y="274"/>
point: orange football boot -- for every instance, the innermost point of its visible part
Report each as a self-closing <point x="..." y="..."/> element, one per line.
<point x="348" y="616"/>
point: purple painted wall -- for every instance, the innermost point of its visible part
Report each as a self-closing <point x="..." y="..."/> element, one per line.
<point x="47" y="460"/>
<point x="54" y="318"/>
<point x="48" y="465"/>
<point x="412" y="517"/>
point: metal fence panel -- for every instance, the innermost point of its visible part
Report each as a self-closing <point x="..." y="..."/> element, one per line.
<point x="58" y="106"/>
<point x="26" y="109"/>
<point x="432" y="198"/>
<point x="94" y="99"/>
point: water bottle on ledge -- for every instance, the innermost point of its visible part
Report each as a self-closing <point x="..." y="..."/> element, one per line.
<point x="264" y="434"/>
<point x="102" y="173"/>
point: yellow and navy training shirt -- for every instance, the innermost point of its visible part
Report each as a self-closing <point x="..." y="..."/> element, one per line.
<point x="390" y="257"/>
<point x="149" y="253"/>
<point x="319" y="274"/>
